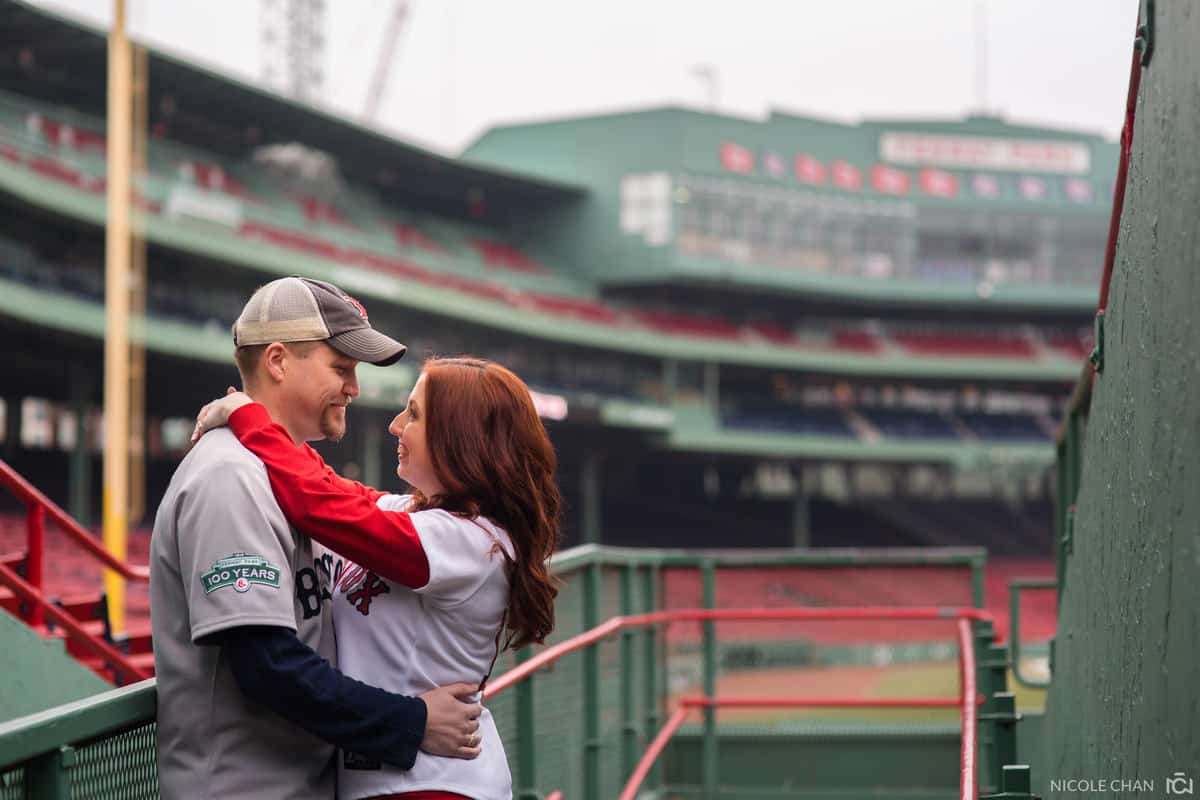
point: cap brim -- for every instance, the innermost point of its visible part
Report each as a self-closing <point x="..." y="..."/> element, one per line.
<point x="368" y="344"/>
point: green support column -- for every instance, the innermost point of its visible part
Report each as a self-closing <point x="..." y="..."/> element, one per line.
<point x="712" y="385"/>
<point x="985" y="637"/>
<point x="978" y="566"/>
<point x="591" y="686"/>
<point x="1003" y="719"/>
<point x="991" y="682"/>
<point x="372" y="472"/>
<point x="670" y="380"/>
<point x="80" y="503"/>
<point x="591" y="521"/>
<point x="629" y="728"/>
<point x="47" y="778"/>
<point x="711" y="774"/>
<point x="651" y="667"/>
<point x="801" y="519"/>
<point x="526" y="735"/>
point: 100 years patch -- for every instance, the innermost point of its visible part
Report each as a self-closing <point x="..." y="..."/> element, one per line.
<point x="239" y="571"/>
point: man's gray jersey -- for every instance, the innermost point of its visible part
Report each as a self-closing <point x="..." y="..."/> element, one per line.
<point x="223" y="556"/>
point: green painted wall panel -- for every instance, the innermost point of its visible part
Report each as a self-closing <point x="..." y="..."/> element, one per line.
<point x="1125" y="702"/>
<point x="38" y="673"/>
<point x="902" y="762"/>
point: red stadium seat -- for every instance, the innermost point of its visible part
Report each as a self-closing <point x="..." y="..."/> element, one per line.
<point x="292" y="240"/>
<point x="505" y="256"/>
<point x="966" y="344"/>
<point x="213" y="177"/>
<point x="682" y="324"/>
<point x="61" y="172"/>
<point x="1072" y="346"/>
<point x="858" y="341"/>
<point x="589" y="310"/>
<point x="409" y="236"/>
<point x="62" y="134"/>
<point x="320" y="211"/>
<point x="774" y="333"/>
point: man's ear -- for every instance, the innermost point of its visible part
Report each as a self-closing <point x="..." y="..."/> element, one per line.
<point x="275" y="361"/>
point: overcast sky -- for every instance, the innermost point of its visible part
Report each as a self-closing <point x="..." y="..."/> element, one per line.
<point x="465" y="65"/>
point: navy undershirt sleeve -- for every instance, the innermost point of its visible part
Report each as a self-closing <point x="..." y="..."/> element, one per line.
<point x="274" y="668"/>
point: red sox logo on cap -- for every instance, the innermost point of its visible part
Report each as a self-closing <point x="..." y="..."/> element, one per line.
<point x="362" y="311"/>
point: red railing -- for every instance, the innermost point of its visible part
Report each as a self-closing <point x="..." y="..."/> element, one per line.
<point x="36" y="609"/>
<point x="124" y="670"/>
<point x="28" y="494"/>
<point x="967" y="701"/>
<point x="968" y="785"/>
<point x="1118" y="206"/>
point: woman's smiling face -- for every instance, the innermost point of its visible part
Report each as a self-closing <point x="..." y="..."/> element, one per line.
<point x="412" y="451"/>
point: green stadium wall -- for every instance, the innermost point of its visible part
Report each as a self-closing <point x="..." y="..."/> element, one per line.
<point x="1125" y="701"/>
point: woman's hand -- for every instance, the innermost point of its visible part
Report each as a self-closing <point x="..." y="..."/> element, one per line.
<point x="216" y="413"/>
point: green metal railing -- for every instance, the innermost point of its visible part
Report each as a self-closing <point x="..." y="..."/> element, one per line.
<point x="1015" y="588"/>
<point x="1068" y="464"/>
<point x="101" y="747"/>
<point x="578" y="727"/>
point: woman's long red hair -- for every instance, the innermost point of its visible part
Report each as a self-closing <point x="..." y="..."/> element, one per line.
<point x="492" y="456"/>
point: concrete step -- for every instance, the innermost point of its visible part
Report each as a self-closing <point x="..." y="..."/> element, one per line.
<point x="143" y="661"/>
<point x="83" y="607"/>
<point x="93" y="627"/>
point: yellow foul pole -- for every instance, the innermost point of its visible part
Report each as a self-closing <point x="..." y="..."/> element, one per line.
<point x="116" y="333"/>
<point x="137" y="292"/>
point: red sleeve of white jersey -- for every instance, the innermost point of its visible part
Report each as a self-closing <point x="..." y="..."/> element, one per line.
<point x="342" y="517"/>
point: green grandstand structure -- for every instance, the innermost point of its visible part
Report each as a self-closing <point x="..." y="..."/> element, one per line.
<point x="746" y="319"/>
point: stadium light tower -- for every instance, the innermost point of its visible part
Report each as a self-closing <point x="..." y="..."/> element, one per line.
<point x="387" y="57"/>
<point x="293" y="47"/>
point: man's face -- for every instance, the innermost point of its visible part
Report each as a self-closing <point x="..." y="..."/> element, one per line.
<point x="318" y="385"/>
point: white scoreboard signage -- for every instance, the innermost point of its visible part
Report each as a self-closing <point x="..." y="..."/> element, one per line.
<point x="979" y="152"/>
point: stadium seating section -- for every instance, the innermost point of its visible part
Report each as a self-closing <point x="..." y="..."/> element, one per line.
<point x="823" y="587"/>
<point x="905" y="424"/>
<point x="349" y="227"/>
<point x="774" y="417"/>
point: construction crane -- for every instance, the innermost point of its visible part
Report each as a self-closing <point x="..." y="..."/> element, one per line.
<point x="387" y="56"/>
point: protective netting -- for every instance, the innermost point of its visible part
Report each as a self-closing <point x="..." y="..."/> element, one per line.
<point x="120" y="767"/>
<point x="12" y="784"/>
<point x="559" y="737"/>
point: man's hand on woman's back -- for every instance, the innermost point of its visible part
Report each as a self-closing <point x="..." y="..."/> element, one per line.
<point x="452" y="721"/>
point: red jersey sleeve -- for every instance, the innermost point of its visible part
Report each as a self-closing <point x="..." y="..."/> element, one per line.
<point x="338" y="513"/>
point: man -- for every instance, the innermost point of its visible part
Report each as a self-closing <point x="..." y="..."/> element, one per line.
<point x="250" y="704"/>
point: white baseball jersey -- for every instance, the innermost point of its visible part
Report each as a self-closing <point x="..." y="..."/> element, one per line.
<point x="410" y="641"/>
<point x="223" y="556"/>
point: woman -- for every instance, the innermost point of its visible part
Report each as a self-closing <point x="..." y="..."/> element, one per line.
<point x="455" y="572"/>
